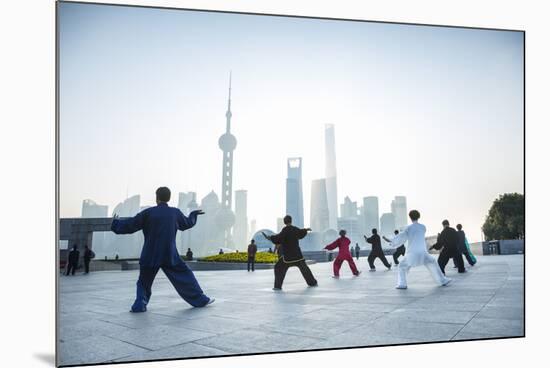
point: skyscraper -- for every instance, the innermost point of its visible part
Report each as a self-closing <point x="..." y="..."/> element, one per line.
<point x="294" y="194"/>
<point x="319" y="207"/>
<point x="387" y="225"/>
<point x="227" y="144"/>
<point x="370" y="214"/>
<point x="330" y="176"/>
<point x="348" y="208"/>
<point x="399" y="210"/>
<point x="240" y="230"/>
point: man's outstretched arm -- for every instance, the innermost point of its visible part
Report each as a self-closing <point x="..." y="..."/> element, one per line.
<point x="185" y="223"/>
<point x="127" y="226"/>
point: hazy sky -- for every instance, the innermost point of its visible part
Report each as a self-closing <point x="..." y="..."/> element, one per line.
<point x="432" y="113"/>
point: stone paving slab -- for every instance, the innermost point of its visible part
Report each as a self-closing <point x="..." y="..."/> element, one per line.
<point x="95" y="326"/>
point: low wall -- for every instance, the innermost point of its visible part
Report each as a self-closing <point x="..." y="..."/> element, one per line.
<point x="510" y="246"/>
<point x="228" y="266"/>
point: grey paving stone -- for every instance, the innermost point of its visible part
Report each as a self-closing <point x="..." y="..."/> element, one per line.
<point x="500" y="313"/>
<point x="158" y="337"/>
<point x="187" y="350"/>
<point x="442" y="316"/>
<point x="491" y="327"/>
<point x="95" y="349"/>
<point x="250" y="341"/>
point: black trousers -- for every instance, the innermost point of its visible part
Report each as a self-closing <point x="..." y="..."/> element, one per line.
<point x="280" y="272"/>
<point x="372" y="257"/>
<point x="447" y="254"/>
<point x="86" y="266"/>
<point x="400" y="251"/>
<point x="71" y="268"/>
<point x="357" y="254"/>
<point x="251" y="261"/>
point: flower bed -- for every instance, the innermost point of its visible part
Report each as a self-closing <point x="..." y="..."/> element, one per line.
<point x="241" y="257"/>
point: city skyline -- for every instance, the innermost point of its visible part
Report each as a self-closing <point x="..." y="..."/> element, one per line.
<point x="151" y="110"/>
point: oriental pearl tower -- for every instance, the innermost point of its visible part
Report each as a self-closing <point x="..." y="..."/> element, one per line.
<point x="227" y="143"/>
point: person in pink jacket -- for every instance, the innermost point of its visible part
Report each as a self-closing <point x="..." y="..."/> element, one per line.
<point x="342" y="243"/>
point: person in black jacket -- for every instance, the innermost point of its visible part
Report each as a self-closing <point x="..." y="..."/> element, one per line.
<point x="447" y="242"/>
<point x="72" y="261"/>
<point x="291" y="255"/>
<point x="189" y="254"/>
<point x="88" y="256"/>
<point x="376" y="251"/>
<point x="399" y="251"/>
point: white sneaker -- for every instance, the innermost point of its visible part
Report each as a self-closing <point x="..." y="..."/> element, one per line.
<point x="372" y="270"/>
<point x="401" y="287"/>
<point x="212" y="300"/>
<point x="446" y="282"/>
<point x="335" y="277"/>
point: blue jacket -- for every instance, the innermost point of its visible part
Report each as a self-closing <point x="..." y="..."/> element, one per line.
<point x="159" y="225"/>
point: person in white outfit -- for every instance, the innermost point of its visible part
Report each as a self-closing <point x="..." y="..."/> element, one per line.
<point x="417" y="254"/>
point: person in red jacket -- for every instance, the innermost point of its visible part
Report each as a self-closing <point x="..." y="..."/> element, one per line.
<point x="342" y="243"/>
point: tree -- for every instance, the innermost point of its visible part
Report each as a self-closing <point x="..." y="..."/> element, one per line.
<point x="506" y="218"/>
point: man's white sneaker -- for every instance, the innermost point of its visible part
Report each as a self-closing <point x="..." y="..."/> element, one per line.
<point x="401" y="287"/>
<point x="446" y="282"/>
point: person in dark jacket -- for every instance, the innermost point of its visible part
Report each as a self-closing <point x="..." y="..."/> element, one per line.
<point x="88" y="256"/>
<point x="376" y="251"/>
<point x="290" y="253"/>
<point x="357" y="250"/>
<point x="252" y="249"/>
<point x="160" y="225"/>
<point x="72" y="263"/>
<point x="189" y="254"/>
<point x="399" y="251"/>
<point x="447" y="242"/>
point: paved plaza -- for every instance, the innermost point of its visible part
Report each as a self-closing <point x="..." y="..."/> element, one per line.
<point x="248" y="317"/>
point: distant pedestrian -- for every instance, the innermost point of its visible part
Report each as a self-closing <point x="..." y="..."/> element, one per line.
<point x="189" y="254"/>
<point x="342" y="243"/>
<point x="221" y="251"/>
<point x="400" y="251"/>
<point x="270" y="250"/>
<point x="252" y="249"/>
<point x="357" y="251"/>
<point x="72" y="263"/>
<point x="116" y="257"/>
<point x="376" y="251"/>
<point x="88" y="256"/>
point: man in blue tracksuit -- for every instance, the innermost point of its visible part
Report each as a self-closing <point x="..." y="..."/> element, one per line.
<point x="160" y="225"/>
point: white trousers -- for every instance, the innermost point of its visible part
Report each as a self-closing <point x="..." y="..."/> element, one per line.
<point x="430" y="263"/>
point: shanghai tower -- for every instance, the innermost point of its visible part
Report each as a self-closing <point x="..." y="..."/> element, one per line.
<point x="330" y="176"/>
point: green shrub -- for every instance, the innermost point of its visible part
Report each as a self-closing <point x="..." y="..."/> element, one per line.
<point x="241" y="257"/>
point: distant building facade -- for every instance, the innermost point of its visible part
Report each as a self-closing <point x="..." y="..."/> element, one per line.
<point x="330" y="176"/>
<point x="294" y="193"/>
<point x="370" y="214"/>
<point x="319" y="207"/>
<point x="90" y="209"/>
<point x="399" y="211"/>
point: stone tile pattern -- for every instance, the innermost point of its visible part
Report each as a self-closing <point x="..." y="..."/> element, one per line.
<point x="95" y="326"/>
